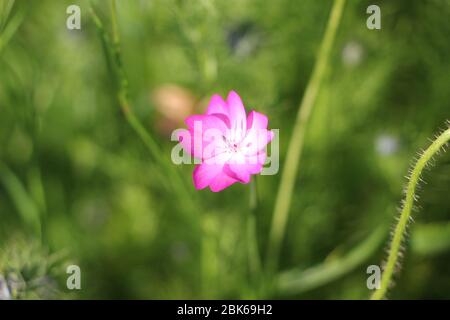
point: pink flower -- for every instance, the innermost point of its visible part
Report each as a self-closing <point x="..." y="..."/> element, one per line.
<point x="230" y="145"/>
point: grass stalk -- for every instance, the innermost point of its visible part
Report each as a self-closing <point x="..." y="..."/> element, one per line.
<point x="253" y="256"/>
<point x="298" y="281"/>
<point x="112" y="47"/>
<point x="286" y="188"/>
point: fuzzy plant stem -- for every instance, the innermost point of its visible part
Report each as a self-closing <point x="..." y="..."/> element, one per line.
<point x="399" y="231"/>
<point x="284" y="196"/>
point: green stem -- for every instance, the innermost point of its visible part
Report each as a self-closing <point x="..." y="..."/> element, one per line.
<point x="122" y="82"/>
<point x="298" y="281"/>
<point x="122" y="94"/>
<point x="294" y="152"/>
<point x="114" y="60"/>
<point x="254" y="259"/>
<point x="10" y="29"/>
<point x="405" y="214"/>
<point x="25" y="205"/>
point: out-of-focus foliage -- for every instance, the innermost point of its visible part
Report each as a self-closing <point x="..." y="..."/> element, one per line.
<point x="76" y="179"/>
<point x="28" y="271"/>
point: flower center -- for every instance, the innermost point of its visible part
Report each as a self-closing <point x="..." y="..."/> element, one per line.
<point x="232" y="146"/>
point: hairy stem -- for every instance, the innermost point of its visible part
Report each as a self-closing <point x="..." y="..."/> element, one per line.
<point x="405" y="214"/>
<point x="294" y="152"/>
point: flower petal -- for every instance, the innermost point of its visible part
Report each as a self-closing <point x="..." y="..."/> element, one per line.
<point x="206" y="136"/>
<point x="225" y="118"/>
<point x="205" y="122"/>
<point x="237" y="116"/>
<point x="256" y="120"/>
<point x="255" y="141"/>
<point x="238" y="172"/>
<point x="217" y="105"/>
<point x="185" y="137"/>
<point x="204" y="174"/>
<point x="220" y="157"/>
<point x="255" y="163"/>
<point x="221" y="181"/>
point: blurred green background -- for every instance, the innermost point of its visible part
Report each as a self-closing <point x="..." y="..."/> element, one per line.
<point x="78" y="186"/>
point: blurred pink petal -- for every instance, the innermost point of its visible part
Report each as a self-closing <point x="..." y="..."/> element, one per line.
<point x="205" y="173"/>
<point x="217" y="105"/>
<point x="221" y="181"/>
<point x="256" y="120"/>
<point x="238" y="172"/>
<point x="237" y="116"/>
